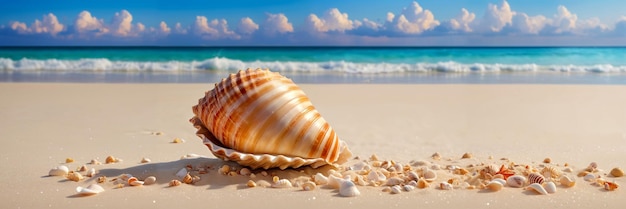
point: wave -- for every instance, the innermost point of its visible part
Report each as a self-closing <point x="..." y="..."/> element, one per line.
<point x="225" y="64"/>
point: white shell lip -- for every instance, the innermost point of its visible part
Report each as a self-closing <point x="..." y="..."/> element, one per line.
<point x="89" y="190"/>
<point x="253" y="161"/>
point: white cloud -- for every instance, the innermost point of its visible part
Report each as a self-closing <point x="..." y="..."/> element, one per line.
<point x="85" y="23"/>
<point x="333" y="20"/>
<point x="121" y="25"/>
<point x="564" y="20"/>
<point x="178" y="28"/>
<point x="49" y="24"/>
<point x="247" y="26"/>
<point x="369" y="24"/>
<point x="216" y="29"/>
<point x="462" y="21"/>
<point x="277" y="23"/>
<point x="163" y="29"/>
<point x="496" y="18"/>
<point x="413" y="20"/>
<point x="529" y="25"/>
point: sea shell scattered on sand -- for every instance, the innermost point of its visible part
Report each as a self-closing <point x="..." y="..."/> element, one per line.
<point x="175" y="182"/>
<point x="348" y="189"/>
<point x="91" y="172"/>
<point x="467" y="155"/>
<point x="74" y="176"/>
<point x="408" y="188"/>
<point x="110" y="159"/>
<point x="551" y="172"/>
<point x="445" y="186"/>
<point x="182" y="173"/>
<point x="287" y="130"/>
<point x="145" y="160"/>
<point x="430" y="175"/>
<point x="149" y="180"/>
<point x="133" y="181"/>
<point x="69" y="160"/>
<point x="334" y="182"/>
<point x="590" y="177"/>
<point x="536" y="178"/>
<point x="251" y="183"/>
<point x="610" y="186"/>
<point x="567" y="181"/>
<point x="320" y="179"/>
<point x="422" y="183"/>
<point x="494" y="185"/>
<point x="101" y="179"/>
<point x="537" y="188"/>
<point x="516" y="181"/>
<point x="395" y="189"/>
<point x="617" y="172"/>
<point x="394" y="181"/>
<point x="547" y="160"/>
<point x="309" y="186"/>
<point x="89" y="190"/>
<point x="282" y="183"/>
<point x="82" y="168"/>
<point x="550" y="187"/>
<point x="245" y="172"/>
<point x="59" y="171"/>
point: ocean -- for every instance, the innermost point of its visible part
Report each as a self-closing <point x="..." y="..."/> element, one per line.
<point x="488" y="65"/>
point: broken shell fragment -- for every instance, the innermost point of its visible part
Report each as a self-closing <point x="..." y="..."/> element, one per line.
<point x="59" y="171"/>
<point x="149" y="180"/>
<point x="145" y="160"/>
<point x="610" y="186"/>
<point x="348" y="189"/>
<point x="89" y="190"/>
<point x="537" y="188"/>
<point x="516" y="181"/>
<point x="617" y="172"/>
<point x="133" y="181"/>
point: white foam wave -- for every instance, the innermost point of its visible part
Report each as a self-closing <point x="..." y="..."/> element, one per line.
<point x="225" y="64"/>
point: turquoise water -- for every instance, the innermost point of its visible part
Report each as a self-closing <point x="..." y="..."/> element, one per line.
<point x="373" y="63"/>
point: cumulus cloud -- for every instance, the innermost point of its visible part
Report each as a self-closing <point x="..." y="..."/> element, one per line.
<point x="49" y="24"/>
<point x="178" y="28"/>
<point x="412" y="20"/>
<point x="564" y="20"/>
<point x="462" y="21"/>
<point x="277" y="24"/>
<point x="333" y="20"/>
<point x="247" y="26"/>
<point x="529" y="24"/>
<point x="215" y="29"/>
<point x="163" y="29"/>
<point x="85" y="23"/>
<point x="121" y="24"/>
<point x="496" y="18"/>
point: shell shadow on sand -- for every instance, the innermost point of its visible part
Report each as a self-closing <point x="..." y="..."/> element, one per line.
<point x="213" y="177"/>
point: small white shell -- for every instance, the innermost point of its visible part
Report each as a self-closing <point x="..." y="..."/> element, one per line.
<point x="149" y="180"/>
<point x="133" y="181"/>
<point x="89" y="190"/>
<point x="394" y="181"/>
<point x="376" y="176"/>
<point x="536" y="178"/>
<point x="308" y="186"/>
<point x="589" y="177"/>
<point x="445" y="186"/>
<point x="348" y="189"/>
<point x="550" y="187"/>
<point x="516" y="181"/>
<point x="282" y="183"/>
<point x="537" y="188"/>
<point x="320" y="179"/>
<point x="181" y="173"/>
<point x="567" y="181"/>
<point x="501" y="181"/>
<point x="396" y="189"/>
<point x="59" y="171"/>
<point x="430" y="175"/>
<point x="408" y="188"/>
<point x="91" y="172"/>
<point x="494" y="186"/>
<point x="334" y="182"/>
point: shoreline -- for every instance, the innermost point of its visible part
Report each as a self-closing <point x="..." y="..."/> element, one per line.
<point x="45" y="123"/>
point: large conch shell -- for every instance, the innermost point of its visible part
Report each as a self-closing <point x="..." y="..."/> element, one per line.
<point x="261" y="119"/>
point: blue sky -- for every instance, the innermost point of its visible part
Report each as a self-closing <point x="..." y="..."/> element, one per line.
<point x="321" y="22"/>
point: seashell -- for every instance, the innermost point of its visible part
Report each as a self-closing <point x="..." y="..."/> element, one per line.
<point x="420" y="163"/>
<point x="408" y="188"/>
<point x="263" y="183"/>
<point x="537" y="188"/>
<point x="320" y="179"/>
<point x="551" y="172"/>
<point x="568" y="170"/>
<point x="82" y="168"/>
<point x="225" y="169"/>
<point x="178" y="140"/>
<point x="282" y="183"/>
<point x="617" y="172"/>
<point x="91" y="172"/>
<point x="516" y="181"/>
<point x="59" y="171"/>
<point x="175" y="182"/>
<point x="547" y="160"/>
<point x="592" y="166"/>
<point x="491" y="169"/>
<point x="429" y="175"/>
<point x="187" y="179"/>
<point x="348" y="189"/>
<point x="245" y="172"/>
<point x="149" y="180"/>
<point x="376" y="177"/>
<point x="95" y="162"/>
<point x="535" y="178"/>
<point x="494" y="186"/>
<point x="550" y="187"/>
<point x="412" y="183"/>
<point x="445" y="186"/>
<point x="589" y="177"/>
<point x="360" y="181"/>
<point x="89" y="190"/>
<point x="181" y="173"/>
<point x="101" y="179"/>
<point x="334" y="182"/>
<point x="261" y="119"/>
<point x="309" y="186"/>
<point x="396" y="189"/>
<point x="75" y="176"/>
<point x="436" y="156"/>
<point x="413" y="175"/>
<point x="394" y="181"/>
<point x="110" y="159"/>
<point x="467" y="155"/>
<point x="145" y="160"/>
<point x="251" y="183"/>
<point x="422" y="184"/>
<point x="499" y="180"/>
<point x="133" y="181"/>
<point x="567" y="181"/>
<point x="610" y="186"/>
<point x="69" y="160"/>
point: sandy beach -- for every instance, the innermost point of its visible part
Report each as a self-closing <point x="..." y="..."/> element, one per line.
<point x="43" y="124"/>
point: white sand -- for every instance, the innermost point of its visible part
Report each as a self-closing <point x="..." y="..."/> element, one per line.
<point x="42" y="124"/>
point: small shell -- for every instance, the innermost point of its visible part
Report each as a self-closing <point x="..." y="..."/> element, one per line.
<point x="244" y="172"/>
<point x="394" y="181"/>
<point x="408" y="188"/>
<point x="59" y="171"/>
<point x="550" y="187"/>
<point x="536" y="178"/>
<point x="567" y="181"/>
<point x="282" y="183"/>
<point x="467" y="155"/>
<point x="95" y="162"/>
<point x="182" y="173"/>
<point x="251" y="183"/>
<point x="436" y="156"/>
<point x="320" y="179"/>
<point x="187" y="179"/>
<point x="396" y="189"/>
<point x="82" y="168"/>
<point x="175" y="182"/>
<point x="494" y="185"/>
<point x="110" y="159"/>
<point x="430" y="175"/>
<point x="568" y="170"/>
<point x="610" y="186"/>
<point x="516" y="181"/>
<point x="178" y="140"/>
<point x="376" y="176"/>
<point x="491" y="169"/>
<point x="537" y="188"/>
<point x="149" y="180"/>
<point x="589" y="177"/>
<point x="360" y="180"/>
<point x="308" y="186"/>
<point x="101" y="179"/>
<point x="133" y="181"/>
<point x="348" y="189"/>
<point x="592" y="166"/>
<point x="224" y="169"/>
<point x="145" y="160"/>
<point x="445" y="186"/>
<point x="69" y="160"/>
<point x="75" y="176"/>
<point x="422" y="184"/>
<point x="89" y="190"/>
<point x="551" y="172"/>
<point x="617" y="172"/>
<point x="334" y="182"/>
<point x="91" y="172"/>
<point x="547" y="160"/>
<point x="263" y="183"/>
<point x="499" y="180"/>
